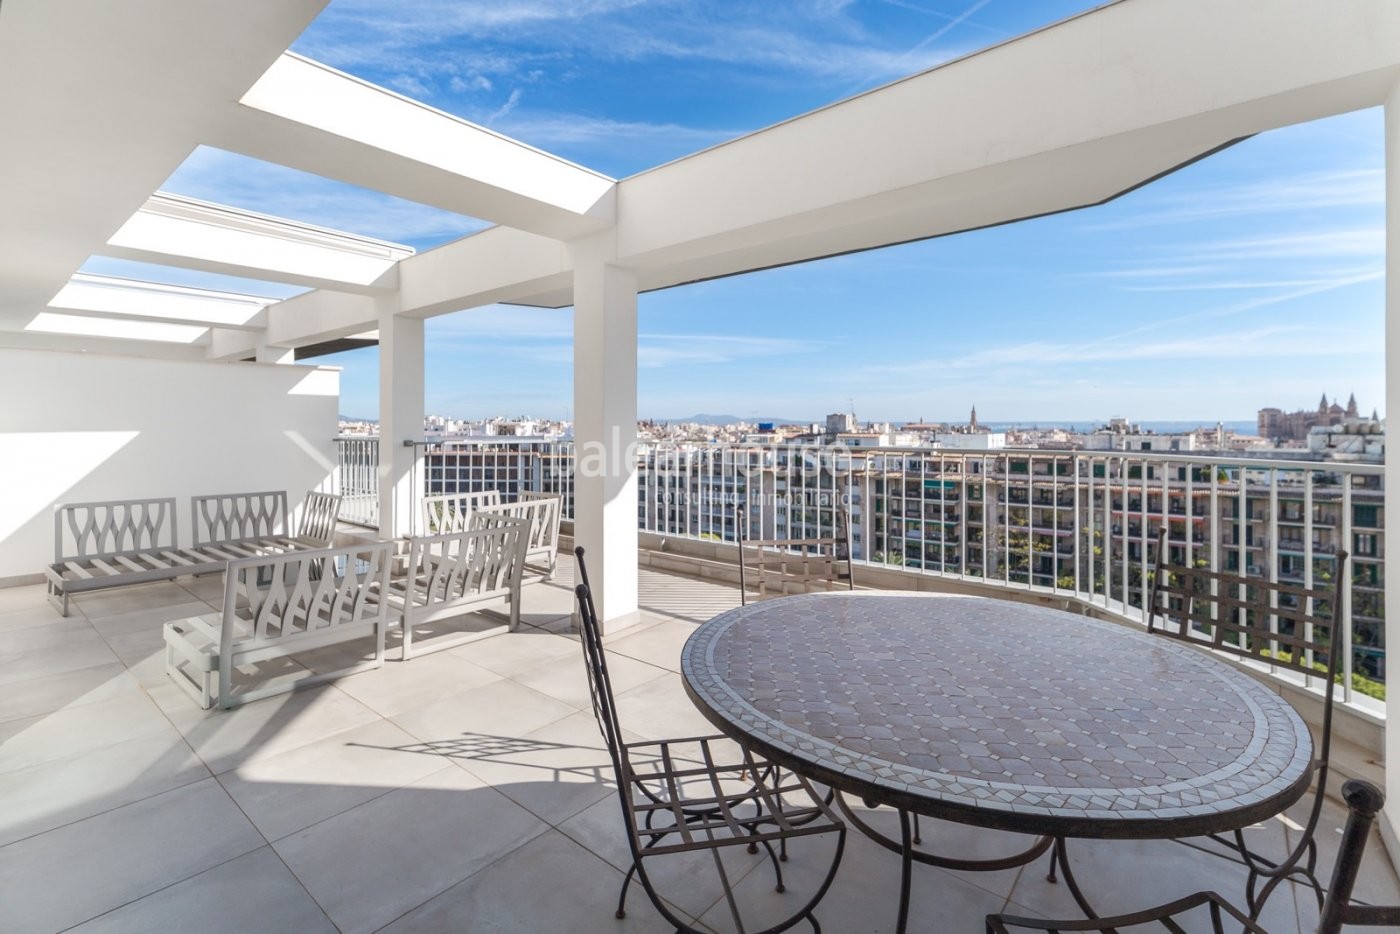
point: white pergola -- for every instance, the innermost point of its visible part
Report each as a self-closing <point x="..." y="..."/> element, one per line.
<point x="100" y="102"/>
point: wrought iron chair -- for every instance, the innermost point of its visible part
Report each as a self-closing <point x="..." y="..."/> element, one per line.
<point x="1364" y="801"/>
<point x="1283" y="624"/>
<point x="700" y="794"/>
<point x="773" y="567"/>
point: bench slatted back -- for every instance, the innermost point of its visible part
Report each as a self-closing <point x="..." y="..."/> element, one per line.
<point x="486" y="558"/>
<point x="305" y="594"/>
<point x="116" y="527"/>
<point x="544" y="533"/>
<point x="233" y="517"/>
<point x="541" y="511"/>
<point x="452" y="512"/>
<point x="318" y="518"/>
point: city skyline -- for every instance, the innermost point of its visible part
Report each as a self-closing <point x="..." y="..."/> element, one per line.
<point x="1248" y="279"/>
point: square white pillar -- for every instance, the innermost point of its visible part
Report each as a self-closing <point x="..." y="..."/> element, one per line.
<point x="400" y="418"/>
<point x="605" y="428"/>
<point x="1390" y="822"/>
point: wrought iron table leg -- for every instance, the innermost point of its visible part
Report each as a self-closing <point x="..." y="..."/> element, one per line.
<point x="906" y="871"/>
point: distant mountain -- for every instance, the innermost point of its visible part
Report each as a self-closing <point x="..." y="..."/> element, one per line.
<point x="704" y="419"/>
<point x="352" y="418"/>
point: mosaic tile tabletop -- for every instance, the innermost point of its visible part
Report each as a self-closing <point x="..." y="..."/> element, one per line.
<point x="1001" y="713"/>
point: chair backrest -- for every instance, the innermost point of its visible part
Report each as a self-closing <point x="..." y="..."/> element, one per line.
<point x="318" y="518"/>
<point x="596" y="664"/>
<point x="1277" y="622"/>
<point x="1364" y="802"/>
<point x="452" y="512"/>
<point x="81" y="530"/>
<point x="773" y="567"/>
<point x="299" y="595"/>
<point x="233" y="517"/>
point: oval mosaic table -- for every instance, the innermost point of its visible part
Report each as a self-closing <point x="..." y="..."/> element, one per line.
<point x="999" y="714"/>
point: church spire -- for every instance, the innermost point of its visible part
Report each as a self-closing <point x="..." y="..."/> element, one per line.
<point x="973" y="424"/>
<point x="1322" y="406"/>
<point x="1351" y="407"/>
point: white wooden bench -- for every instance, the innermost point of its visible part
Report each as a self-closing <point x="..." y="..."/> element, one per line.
<point x="241" y="525"/>
<point x="113" y="543"/>
<point x="452" y="512"/>
<point x="446" y="576"/>
<point x="280" y="605"/>
<point x="542" y="543"/>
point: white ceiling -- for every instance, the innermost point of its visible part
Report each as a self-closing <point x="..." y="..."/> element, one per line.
<point x="100" y="102"/>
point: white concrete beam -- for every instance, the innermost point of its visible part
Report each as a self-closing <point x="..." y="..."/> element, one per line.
<point x="605" y="428"/>
<point x="175" y="231"/>
<point x="495" y="265"/>
<point x="1064" y="117"/>
<point x="311" y="117"/>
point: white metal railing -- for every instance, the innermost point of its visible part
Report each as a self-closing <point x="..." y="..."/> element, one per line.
<point x="1078" y="524"/>
<point x="358" y="477"/>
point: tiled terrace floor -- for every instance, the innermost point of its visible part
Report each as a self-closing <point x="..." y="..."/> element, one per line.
<point x="462" y="791"/>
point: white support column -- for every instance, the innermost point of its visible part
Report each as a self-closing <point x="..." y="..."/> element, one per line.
<point x="605" y="427"/>
<point x="400" y="417"/>
<point x="1390" y="822"/>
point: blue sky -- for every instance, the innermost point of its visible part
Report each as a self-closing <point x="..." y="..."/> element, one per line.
<point x="1252" y="278"/>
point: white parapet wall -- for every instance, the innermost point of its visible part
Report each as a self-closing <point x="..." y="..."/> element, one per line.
<point x="78" y="427"/>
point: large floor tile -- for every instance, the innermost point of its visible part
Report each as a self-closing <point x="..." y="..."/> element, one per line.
<point x="255" y="892"/>
<point x="285" y="793"/>
<point x="95" y="685"/>
<point x="18" y="617"/>
<point x="70" y="645"/>
<point x="658" y="645"/>
<point x="502" y="708"/>
<point x="554" y="772"/>
<point x="58" y="792"/>
<point x="25" y="597"/>
<point x="566" y="678"/>
<point x="687" y="880"/>
<point x="506" y="897"/>
<point x="511" y="653"/>
<point x="370" y="865"/>
<point x="402" y="686"/>
<point x="128" y="599"/>
<point x="225" y="739"/>
<point x="863" y="899"/>
<point x="74" y="873"/>
<point x="69" y="732"/>
<point x="1126" y="875"/>
<point x="660" y="709"/>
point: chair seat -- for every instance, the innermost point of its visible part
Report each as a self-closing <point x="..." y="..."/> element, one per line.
<point x="709" y="793"/>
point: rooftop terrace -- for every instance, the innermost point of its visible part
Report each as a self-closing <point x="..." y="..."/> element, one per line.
<point x="465" y="790"/>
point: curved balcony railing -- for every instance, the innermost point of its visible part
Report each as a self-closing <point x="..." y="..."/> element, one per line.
<point x="1078" y="548"/>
